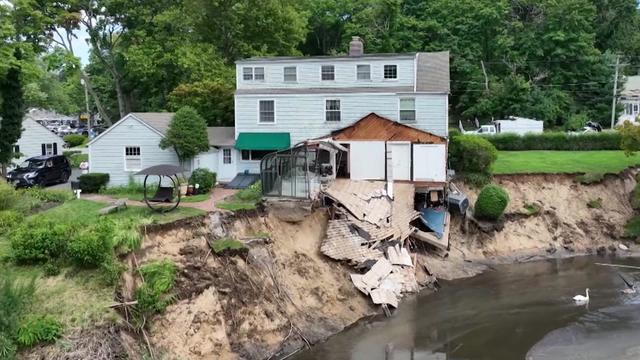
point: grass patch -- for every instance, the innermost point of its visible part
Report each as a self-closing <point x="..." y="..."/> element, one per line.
<point x="76" y="159"/>
<point x="245" y="199"/>
<point x="632" y="228"/>
<point x="531" y="209"/>
<point x="590" y="178"/>
<point x="195" y="198"/>
<point x="563" y="162"/>
<point x="594" y="203"/>
<point x="222" y="245"/>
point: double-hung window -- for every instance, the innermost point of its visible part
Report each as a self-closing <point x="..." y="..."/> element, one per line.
<point x="226" y="156"/>
<point x="290" y="74"/>
<point x="267" y="111"/>
<point x="252" y="73"/>
<point x="328" y="72"/>
<point x="363" y="72"/>
<point x="132" y="158"/>
<point x="407" y="109"/>
<point x="16" y="149"/>
<point x="332" y="110"/>
<point x="391" y="72"/>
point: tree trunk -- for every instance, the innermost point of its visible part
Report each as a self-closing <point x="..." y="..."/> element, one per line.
<point x="103" y="114"/>
<point x="122" y="101"/>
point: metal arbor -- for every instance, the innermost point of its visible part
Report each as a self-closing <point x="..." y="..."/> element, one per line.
<point x="169" y="195"/>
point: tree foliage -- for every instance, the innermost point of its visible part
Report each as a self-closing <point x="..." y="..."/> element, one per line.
<point x="187" y="134"/>
<point x="11" y="111"/>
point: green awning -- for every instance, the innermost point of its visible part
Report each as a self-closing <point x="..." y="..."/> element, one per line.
<point x="263" y="141"/>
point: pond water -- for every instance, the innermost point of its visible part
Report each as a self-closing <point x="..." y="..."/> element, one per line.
<point x="522" y="311"/>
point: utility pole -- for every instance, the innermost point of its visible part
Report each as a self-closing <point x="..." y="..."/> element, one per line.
<point x="615" y="92"/>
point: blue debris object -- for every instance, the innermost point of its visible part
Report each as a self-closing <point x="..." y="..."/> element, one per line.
<point x="434" y="219"/>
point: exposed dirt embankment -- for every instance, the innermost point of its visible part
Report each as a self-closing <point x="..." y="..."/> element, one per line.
<point x="270" y="302"/>
<point x="548" y="215"/>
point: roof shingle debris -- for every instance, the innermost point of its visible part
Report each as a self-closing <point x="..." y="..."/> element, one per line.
<point x="369" y="225"/>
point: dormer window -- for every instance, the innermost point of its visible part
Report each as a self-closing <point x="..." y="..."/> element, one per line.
<point x="290" y="74"/>
<point x="390" y="72"/>
<point x="252" y="73"/>
<point x="328" y="72"/>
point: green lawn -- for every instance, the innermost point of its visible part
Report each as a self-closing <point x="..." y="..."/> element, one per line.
<point x="556" y="162"/>
<point x="138" y="195"/>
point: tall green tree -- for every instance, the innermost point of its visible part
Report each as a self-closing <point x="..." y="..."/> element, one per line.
<point x="11" y="112"/>
<point x="187" y="134"/>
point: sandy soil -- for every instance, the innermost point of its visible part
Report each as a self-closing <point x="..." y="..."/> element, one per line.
<point x="271" y="302"/>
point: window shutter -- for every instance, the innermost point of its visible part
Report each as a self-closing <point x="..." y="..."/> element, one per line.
<point x="44" y="149"/>
<point x="55" y="148"/>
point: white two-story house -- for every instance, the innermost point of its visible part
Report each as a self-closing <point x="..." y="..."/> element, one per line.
<point x="281" y="101"/>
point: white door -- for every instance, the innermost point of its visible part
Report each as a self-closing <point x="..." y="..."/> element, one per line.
<point x="400" y="160"/>
<point x="227" y="164"/>
<point x="430" y="162"/>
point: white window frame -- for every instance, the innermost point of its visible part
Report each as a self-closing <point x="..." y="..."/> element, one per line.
<point x="358" y="73"/>
<point x="252" y="72"/>
<point x="284" y="74"/>
<point x="400" y="109"/>
<point x="322" y="72"/>
<point x="48" y="149"/>
<point x="226" y="155"/>
<point x="274" y="112"/>
<point x="384" y="72"/>
<point x="139" y="156"/>
<point x="326" y="101"/>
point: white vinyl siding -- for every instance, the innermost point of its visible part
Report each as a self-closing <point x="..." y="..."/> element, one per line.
<point x="391" y="72"/>
<point x="303" y="116"/>
<point x="132" y="158"/>
<point x="290" y="74"/>
<point x="363" y="72"/>
<point x="328" y="72"/>
<point x="407" y="109"/>
<point x="32" y="139"/>
<point x="309" y="74"/>
<point x="107" y="154"/>
<point x="267" y="111"/>
<point x="332" y="110"/>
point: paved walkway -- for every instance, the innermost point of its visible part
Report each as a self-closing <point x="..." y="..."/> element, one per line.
<point x="217" y="195"/>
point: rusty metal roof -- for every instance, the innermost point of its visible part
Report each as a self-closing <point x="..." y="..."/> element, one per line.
<point x="376" y="127"/>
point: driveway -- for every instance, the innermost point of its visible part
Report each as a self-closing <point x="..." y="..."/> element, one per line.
<point x="67" y="186"/>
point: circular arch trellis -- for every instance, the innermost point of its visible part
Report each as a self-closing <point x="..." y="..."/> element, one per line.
<point x="164" y="194"/>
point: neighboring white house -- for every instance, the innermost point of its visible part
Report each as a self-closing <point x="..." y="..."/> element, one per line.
<point x="36" y="140"/>
<point x="281" y="101"/>
<point x="132" y="144"/>
<point x="630" y="100"/>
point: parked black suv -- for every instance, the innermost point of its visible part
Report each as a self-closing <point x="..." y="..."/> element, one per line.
<point x="40" y="170"/>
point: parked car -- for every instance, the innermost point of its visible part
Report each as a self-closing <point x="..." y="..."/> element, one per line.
<point x="64" y="130"/>
<point x="41" y="171"/>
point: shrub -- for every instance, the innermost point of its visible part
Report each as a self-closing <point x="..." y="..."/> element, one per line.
<point x="69" y="153"/>
<point x="153" y="295"/>
<point x="47" y="195"/>
<point x="491" y="203"/>
<point x="477" y="180"/>
<point x="606" y="140"/>
<point x="632" y="228"/>
<point x="38" y="241"/>
<point x="52" y="268"/>
<point x="93" y="182"/>
<point x="75" y="140"/>
<point x="472" y="154"/>
<point x="8" y="219"/>
<point x="91" y="247"/>
<point x="8" y="196"/>
<point x="531" y="209"/>
<point x="590" y="178"/>
<point x="576" y="122"/>
<point x="635" y="197"/>
<point x="77" y="159"/>
<point x="111" y="271"/>
<point x="204" y="177"/>
<point x="15" y="297"/>
<point x="38" y="329"/>
<point x="253" y="193"/>
<point x="126" y="234"/>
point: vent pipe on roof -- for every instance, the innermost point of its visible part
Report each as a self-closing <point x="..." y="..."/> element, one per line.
<point x="356" y="48"/>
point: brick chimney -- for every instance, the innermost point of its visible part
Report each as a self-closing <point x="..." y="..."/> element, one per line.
<point x="356" y="48"/>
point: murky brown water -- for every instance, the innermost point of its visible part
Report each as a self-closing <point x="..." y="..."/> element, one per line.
<point x="522" y="311"/>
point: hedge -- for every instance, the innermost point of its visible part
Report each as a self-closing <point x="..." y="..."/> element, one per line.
<point x="491" y="202"/>
<point x="203" y="177"/>
<point x="93" y="182"/>
<point x="75" y="139"/>
<point x="607" y="140"/>
<point x="472" y="154"/>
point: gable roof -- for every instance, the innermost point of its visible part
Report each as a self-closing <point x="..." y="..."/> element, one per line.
<point x="159" y="123"/>
<point x="36" y="126"/>
<point x="375" y="127"/>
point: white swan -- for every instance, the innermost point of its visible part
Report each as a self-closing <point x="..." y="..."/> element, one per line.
<point x="581" y="299"/>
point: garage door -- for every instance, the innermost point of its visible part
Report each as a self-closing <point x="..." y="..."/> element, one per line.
<point x="430" y="162"/>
